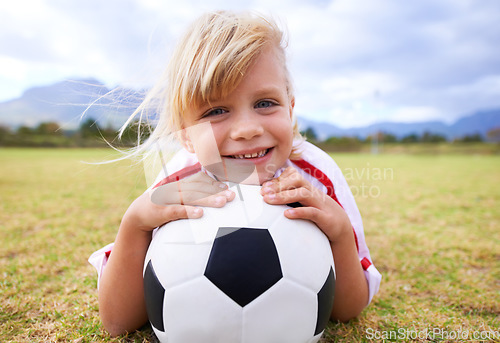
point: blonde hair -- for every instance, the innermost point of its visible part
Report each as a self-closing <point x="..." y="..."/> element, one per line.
<point x="208" y="63"/>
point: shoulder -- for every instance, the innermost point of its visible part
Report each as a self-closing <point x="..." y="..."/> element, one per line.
<point x="309" y="150"/>
<point x="182" y="164"/>
<point x="318" y="167"/>
<point x="316" y="161"/>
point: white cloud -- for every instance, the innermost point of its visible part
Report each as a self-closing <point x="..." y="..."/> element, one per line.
<point x="357" y="85"/>
<point x="416" y="114"/>
<point x="11" y="68"/>
<point x="423" y="59"/>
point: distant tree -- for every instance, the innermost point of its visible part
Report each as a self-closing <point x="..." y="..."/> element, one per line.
<point x="5" y="133"/>
<point x="471" y="138"/>
<point x="48" y="128"/>
<point x="5" y="130"/>
<point x="89" y="128"/>
<point x="343" y="141"/>
<point x="24" y="130"/>
<point x="494" y="135"/>
<point x="429" y="137"/>
<point x="411" y="138"/>
<point x="109" y="133"/>
<point x="387" y="137"/>
<point x="381" y="137"/>
<point x="133" y="131"/>
<point x="310" y="134"/>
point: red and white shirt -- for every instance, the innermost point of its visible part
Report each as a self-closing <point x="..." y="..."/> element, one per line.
<point x="314" y="165"/>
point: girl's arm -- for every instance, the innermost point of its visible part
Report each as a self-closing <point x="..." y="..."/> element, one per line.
<point x="121" y="295"/>
<point x="351" y="288"/>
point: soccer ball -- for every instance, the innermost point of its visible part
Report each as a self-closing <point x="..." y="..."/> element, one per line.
<point x="241" y="273"/>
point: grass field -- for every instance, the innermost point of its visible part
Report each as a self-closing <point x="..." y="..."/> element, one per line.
<point x="431" y="222"/>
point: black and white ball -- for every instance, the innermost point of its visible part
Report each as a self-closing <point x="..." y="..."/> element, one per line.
<point x="241" y="273"/>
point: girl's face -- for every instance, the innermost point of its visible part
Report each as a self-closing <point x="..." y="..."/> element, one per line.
<point x="251" y="128"/>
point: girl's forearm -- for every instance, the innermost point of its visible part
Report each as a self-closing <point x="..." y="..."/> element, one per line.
<point x="121" y="296"/>
<point x="351" y="287"/>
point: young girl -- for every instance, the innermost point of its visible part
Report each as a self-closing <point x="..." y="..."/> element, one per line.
<point x="230" y="101"/>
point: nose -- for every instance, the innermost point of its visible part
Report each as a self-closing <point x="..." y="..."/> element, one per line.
<point x="246" y="125"/>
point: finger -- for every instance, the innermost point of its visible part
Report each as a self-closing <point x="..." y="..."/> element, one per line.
<point x="188" y="193"/>
<point x="202" y="177"/>
<point x="288" y="171"/>
<point x="166" y="194"/>
<point x="289" y="179"/>
<point x="331" y="225"/>
<point x="203" y="199"/>
<point x="203" y="180"/>
<point x="202" y="190"/>
<point x="176" y="212"/>
<point x="212" y="187"/>
<point x="309" y="213"/>
<point x="200" y="182"/>
<point x="302" y="195"/>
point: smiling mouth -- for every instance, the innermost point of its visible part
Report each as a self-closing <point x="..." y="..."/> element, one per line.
<point x="258" y="154"/>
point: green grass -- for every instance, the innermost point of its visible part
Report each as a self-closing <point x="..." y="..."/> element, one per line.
<point x="431" y="223"/>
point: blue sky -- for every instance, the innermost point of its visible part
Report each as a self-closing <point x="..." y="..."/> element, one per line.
<point x="354" y="62"/>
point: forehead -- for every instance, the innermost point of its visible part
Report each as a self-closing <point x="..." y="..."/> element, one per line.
<point x="266" y="70"/>
<point x="266" y="73"/>
<point x="265" y="76"/>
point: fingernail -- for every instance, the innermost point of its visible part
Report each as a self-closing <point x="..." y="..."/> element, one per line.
<point x="197" y="212"/>
<point x="228" y="194"/>
<point x="271" y="196"/>
<point x="267" y="190"/>
<point x="266" y="184"/>
<point x="222" y="185"/>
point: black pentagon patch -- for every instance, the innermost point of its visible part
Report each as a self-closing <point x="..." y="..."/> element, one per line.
<point x="243" y="263"/>
<point x="154" y="295"/>
<point x="325" y="302"/>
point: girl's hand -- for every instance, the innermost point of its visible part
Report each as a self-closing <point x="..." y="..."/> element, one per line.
<point x="351" y="288"/>
<point x="317" y="206"/>
<point x="177" y="200"/>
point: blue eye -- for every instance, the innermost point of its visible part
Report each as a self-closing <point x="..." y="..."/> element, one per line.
<point x="214" y="112"/>
<point x="264" y="104"/>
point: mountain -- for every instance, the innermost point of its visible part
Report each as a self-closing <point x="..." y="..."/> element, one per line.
<point x="65" y="102"/>
<point x="480" y="122"/>
<point x="477" y="123"/>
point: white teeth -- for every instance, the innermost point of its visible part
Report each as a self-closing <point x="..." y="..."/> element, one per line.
<point x="262" y="153"/>
<point x="254" y="155"/>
